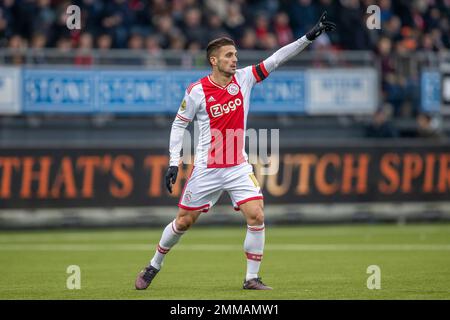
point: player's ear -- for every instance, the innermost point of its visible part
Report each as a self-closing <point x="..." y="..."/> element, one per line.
<point x="213" y="60"/>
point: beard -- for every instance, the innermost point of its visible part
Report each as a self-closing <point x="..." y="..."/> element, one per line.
<point x="226" y="73"/>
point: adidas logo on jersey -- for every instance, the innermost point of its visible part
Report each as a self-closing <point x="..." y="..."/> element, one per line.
<point x="211" y="99"/>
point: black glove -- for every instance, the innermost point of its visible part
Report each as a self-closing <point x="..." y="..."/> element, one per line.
<point x="320" y="27"/>
<point x="171" y="177"/>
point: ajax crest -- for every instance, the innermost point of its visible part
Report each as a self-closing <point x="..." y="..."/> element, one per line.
<point x="233" y="89"/>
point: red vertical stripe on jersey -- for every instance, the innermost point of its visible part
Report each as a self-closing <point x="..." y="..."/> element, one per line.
<point x="226" y="118"/>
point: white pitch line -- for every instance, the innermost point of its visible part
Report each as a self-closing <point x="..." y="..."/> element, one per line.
<point x="225" y="247"/>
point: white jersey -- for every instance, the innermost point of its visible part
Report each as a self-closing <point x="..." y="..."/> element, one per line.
<point x="222" y="112"/>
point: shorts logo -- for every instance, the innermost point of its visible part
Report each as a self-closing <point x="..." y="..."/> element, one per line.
<point x="233" y="89"/>
<point x="219" y="109"/>
<point x="187" y="196"/>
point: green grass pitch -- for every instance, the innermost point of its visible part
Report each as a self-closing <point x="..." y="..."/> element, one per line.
<point x="304" y="262"/>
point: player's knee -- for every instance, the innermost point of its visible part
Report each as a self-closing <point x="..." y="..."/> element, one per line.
<point x="184" y="220"/>
<point x="257" y="216"/>
<point x="183" y="223"/>
<point x="260" y="217"/>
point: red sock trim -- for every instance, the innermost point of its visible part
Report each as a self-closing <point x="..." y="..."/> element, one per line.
<point x="161" y="249"/>
<point x="254" y="256"/>
<point x="255" y="229"/>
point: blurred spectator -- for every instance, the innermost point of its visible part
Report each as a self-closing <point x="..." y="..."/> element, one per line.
<point x="136" y="56"/>
<point x="17" y="43"/>
<point x="270" y="7"/>
<point x="194" y="56"/>
<point x="177" y="41"/>
<point x="218" y="7"/>
<point x="140" y="17"/>
<point x="385" y="10"/>
<point x="59" y="28"/>
<point x="195" y="31"/>
<point x="304" y="16"/>
<point x="136" y="42"/>
<point x="160" y="7"/>
<point x="6" y="21"/>
<point x="381" y="126"/>
<point x="154" y="54"/>
<point x="166" y="30"/>
<point x="248" y="40"/>
<point x="116" y="21"/>
<point x="428" y="127"/>
<point x="392" y="28"/>
<point x="38" y="42"/>
<point x="91" y="14"/>
<point x="177" y="10"/>
<point x="269" y="42"/>
<point x="84" y="51"/>
<point x="262" y="26"/>
<point x="44" y="17"/>
<point x="235" y="21"/>
<point x="104" y="42"/>
<point x="215" y="27"/>
<point x="353" y="31"/>
<point x="64" y="44"/>
<point x="282" y="29"/>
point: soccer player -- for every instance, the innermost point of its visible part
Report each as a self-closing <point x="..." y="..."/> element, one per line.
<point x="221" y="102"/>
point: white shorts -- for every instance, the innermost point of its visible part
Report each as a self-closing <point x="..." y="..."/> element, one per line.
<point x="205" y="186"/>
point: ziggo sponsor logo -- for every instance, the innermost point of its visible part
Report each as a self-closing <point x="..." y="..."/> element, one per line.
<point x="219" y="109"/>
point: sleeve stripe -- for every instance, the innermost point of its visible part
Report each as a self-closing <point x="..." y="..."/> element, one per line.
<point x="183" y="118"/>
<point x="260" y="71"/>
<point x="258" y="79"/>
<point x="264" y="70"/>
<point x="191" y="86"/>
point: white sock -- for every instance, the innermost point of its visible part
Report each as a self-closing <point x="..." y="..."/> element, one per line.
<point x="254" y="247"/>
<point x="169" y="238"/>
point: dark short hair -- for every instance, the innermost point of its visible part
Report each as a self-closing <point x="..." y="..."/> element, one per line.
<point x="217" y="44"/>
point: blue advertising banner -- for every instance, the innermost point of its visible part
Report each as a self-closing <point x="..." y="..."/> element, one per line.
<point x="282" y="91"/>
<point x="430" y="91"/>
<point x="58" y="91"/>
<point x="143" y="91"/>
<point x="9" y="90"/>
<point x="86" y="91"/>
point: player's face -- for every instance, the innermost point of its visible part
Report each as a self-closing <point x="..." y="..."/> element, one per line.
<point x="227" y="60"/>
